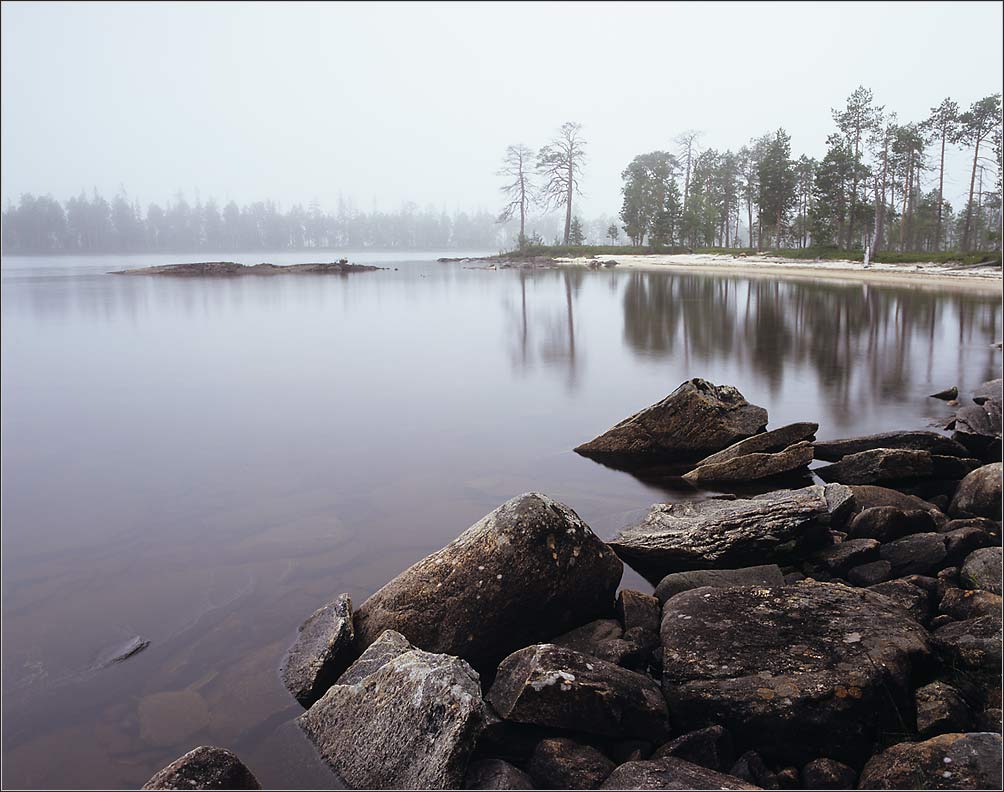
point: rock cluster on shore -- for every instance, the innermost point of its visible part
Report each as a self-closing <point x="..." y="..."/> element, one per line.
<point x="231" y="269"/>
<point x="824" y="636"/>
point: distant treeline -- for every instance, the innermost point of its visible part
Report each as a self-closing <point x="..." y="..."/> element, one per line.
<point x="94" y="225"/>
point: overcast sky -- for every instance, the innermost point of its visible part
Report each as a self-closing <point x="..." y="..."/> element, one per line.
<point x="385" y="103"/>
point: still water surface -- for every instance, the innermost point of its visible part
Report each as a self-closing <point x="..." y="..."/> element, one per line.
<point x="205" y="462"/>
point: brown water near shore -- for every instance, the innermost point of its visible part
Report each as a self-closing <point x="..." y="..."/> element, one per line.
<point x="204" y="462"/>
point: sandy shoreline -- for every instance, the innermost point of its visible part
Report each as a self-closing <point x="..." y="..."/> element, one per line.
<point x="988" y="279"/>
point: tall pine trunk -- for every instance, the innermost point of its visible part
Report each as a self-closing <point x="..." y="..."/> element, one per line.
<point x="568" y="203"/>
<point x="969" y="206"/>
<point x="941" y="189"/>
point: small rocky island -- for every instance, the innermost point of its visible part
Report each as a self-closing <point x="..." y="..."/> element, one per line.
<point x="231" y="269"/>
<point x="843" y="633"/>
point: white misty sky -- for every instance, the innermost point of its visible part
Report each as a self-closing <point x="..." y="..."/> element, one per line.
<point x="392" y="102"/>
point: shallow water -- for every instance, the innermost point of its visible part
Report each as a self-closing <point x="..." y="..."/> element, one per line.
<point x="205" y="462"/>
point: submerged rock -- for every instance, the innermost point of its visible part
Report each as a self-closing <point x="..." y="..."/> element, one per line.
<point x="676" y="582"/>
<point x="793" y="672"/>
<point x="205" y="767"/>
<point x="754" y="466"/>
<point x="719" y="533"/>
<point x="411" y="724"/>
<point x="547" y="685"/>
<point x="931" y="442"/>
<point x="696" y="419"/>
<point x="322" y="651"/>
<point x="979" y="493"/>
<point x="949" y="761"/>
<point x="528" y="571"/>
<point x="671" y="773"/>
<point x="121" y="652"/>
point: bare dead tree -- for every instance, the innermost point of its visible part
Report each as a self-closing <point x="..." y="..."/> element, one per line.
<point x="560" y="163"/>
<point x="687" y="141"/>
<point x="520" y="191"/>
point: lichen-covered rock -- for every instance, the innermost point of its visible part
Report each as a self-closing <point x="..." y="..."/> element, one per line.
<point x="792" y="672"/>
<point x="765" y="442"/>
<point x="709" y="747"/>
<point x="676" y="582"/>
<point x="526" y="572"/>
<point x="948" y="761"/>
<point x="671" y="773"/>
<point x="982" y="570"/>
<point x="496" y="774"/>
<point x="979" y="493"/>
<point x="205" y="767"/>
<point x="635" y="609"/>
<point x="826" y="773"/>
<point x="931" y="442"/>
<point x="696" y="419"/>
<point x="561" y="763"/>
<point x="389" y="645"/>
<point x="719" y="533"/>
<point x="753" y="466"/>
<point x="941" y="709"/>
<point x="322" y="651"/>
<point x="547" y="685"/>
<point x="411" y="724"/>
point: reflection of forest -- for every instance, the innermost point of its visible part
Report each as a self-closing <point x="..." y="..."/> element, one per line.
<point x="882" y="332"/>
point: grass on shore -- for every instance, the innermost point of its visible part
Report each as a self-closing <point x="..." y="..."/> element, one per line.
<point x="825" y="253"/>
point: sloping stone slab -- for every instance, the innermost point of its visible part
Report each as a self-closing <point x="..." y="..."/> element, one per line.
<point x="754" y="466"/>
<point x="671" y="773"/>
<point x="932" y="442"/>
<point x="696" y="419"/>
<point x="948" y="761"/>
<point x="412" y="724"/>
<point x="793" y="672"/>
<point x="322" y="651"/>
<point x="528" y="571"/>
<point x="879" y="465"/>
<point x="389" y="645"/>
<point x="765" y="442"/>
<point x="546" y="685"/>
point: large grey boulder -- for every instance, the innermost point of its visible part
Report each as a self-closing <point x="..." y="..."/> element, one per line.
<point x="948" y="761"/>
<point x="205" y="767"/>
<point x="765" y="442"/>
<point x="720" y="533"/>
<point x="526" y="572"/>
<point x="979" y="493"/>
<point x="322" y="651"/>
<point x="696" y="419"/>
<point x="671" y="773"/>
<point x="546" y="685"/>
<point x="793" y="672"/>
<point x="931" y="442"/>
<point x="753" y="466"/>
<point x="677" y="582"/>
<point x="982" y="570"/>
<point x="411" y="724"/>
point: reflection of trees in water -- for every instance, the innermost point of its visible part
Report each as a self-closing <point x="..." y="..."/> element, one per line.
<point x="833" y="328"/>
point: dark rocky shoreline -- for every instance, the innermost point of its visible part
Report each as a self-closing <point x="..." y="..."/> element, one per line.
<point x="836" y="635"/>
<point x="230" y="269"/>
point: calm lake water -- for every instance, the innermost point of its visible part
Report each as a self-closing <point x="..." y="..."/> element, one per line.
<point x="205" y="462"/>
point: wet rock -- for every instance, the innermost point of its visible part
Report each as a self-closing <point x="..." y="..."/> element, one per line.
<point x="946" y="395"/>
<point x="696" y="419"/>
<point x="839" y="557"/>
<point x="709" y="747"/>
<point x="205" y="767"/>
<point x="941" y="709"/>
<point x="411" y="724"/>
<point x="973" y="644"/>
<point x="948" y="761"/>
<point x="826" y="773"/>
<point x="671" y="773"/>
<point x="915" y="600"/>
<point x="550" y="686"/>
<point x="121" y="652"/>
<point x="389" y="645"/>
<point x="916" y="554"/>
<point x="793" y="671"/>
<point x="765" y="442"/>
<point x="496" y="774"/>
<point x="676" y="582"/>
<point x="635" y="609"/>
<point x="751" y="467"/>
<point x="877" y="466"/>
<point x="867" y="496"/>
<point x="930" y="442"/>
<point x="870" y="574"/>
<point x="962" y="604"/>
<point x="718" y="533"/>
<point x="321" y="652"/>
<point x="561" y="763"/>
<point x="526" y="572"/>
<point x="589" y="636"/>
<point x="982" y="570"/>
<point x="750" y="767"/>
<point x="979" y="494"/>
